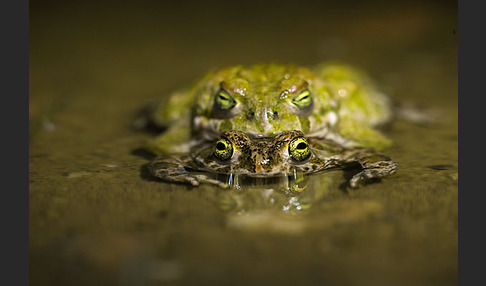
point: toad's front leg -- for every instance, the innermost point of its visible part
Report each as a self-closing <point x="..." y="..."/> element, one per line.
<point x="375" y="165"/>
<point x="181" y="169"/>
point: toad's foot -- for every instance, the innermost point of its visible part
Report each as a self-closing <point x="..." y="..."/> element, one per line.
<point x="374" y="166"/>
<point x="177" y="170"/>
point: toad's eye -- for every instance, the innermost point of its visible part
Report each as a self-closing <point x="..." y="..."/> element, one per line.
<point x="299" y="149"/>
<point x="224" y="100"/>
<point x="303" y="99"/>
<point x="223" y="149"/>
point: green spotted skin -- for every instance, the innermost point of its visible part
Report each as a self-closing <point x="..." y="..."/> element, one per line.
<point x="328" y="102"/>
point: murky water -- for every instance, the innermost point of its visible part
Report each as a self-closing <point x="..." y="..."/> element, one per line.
<point x="96" y="217"/>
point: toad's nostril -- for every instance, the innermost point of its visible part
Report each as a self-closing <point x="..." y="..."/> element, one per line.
<point x="251" y="113"/>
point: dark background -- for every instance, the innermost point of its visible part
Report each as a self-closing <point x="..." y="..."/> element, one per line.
<point x="94" y="220"/>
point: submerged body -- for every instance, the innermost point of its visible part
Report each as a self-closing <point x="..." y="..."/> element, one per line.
<point x="286" y="154"/>
<point x="259" y="111"/>
<point x="329" y="102"/>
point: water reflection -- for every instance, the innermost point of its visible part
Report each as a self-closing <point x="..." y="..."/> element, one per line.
<point x="291" y="195"/>
<point x="290" y="205"/>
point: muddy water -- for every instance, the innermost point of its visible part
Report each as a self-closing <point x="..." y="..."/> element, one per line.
<point x="97" y="218"/>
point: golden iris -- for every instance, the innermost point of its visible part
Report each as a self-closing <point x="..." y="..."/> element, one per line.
<point x="303" y="99"/>
<point x="224" y="100"/>
<point x="299" y="149"/>
<point x="223" y="149"/>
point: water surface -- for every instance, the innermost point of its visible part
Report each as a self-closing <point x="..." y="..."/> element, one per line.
<point x="96" y="218"/>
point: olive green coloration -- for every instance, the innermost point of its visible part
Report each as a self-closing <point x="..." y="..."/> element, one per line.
<point x="329" y="102"/>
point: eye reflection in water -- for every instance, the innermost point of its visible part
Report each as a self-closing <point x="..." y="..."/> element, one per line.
<point x="290" y="205"/>
<point x="288" y="195"/>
